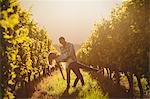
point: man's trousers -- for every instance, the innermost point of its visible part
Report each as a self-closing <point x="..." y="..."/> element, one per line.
<point x="75" y="68"/>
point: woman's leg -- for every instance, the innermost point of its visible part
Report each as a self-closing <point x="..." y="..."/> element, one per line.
<point x="85" y="67"/>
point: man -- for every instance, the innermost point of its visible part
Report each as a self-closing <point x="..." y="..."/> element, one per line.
<point x="68" y="55"/>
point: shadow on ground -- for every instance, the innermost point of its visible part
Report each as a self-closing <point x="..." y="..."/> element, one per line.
<point x="66" y="94"/>
<point x="109" y="87"/>
<point x="29" y="88"/>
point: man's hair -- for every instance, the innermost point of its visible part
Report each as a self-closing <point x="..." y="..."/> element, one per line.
<point x="61" y="38"/>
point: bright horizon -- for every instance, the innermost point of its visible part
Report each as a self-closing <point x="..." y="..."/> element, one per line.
<point x="73" y="19"/>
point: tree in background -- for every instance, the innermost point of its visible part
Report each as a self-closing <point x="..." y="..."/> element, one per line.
<point x="121" y="43"/>
<point x="24" y="48"/>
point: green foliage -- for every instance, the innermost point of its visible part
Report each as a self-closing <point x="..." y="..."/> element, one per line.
<point x="122" y="42"/>
<point x="24" y="47"/>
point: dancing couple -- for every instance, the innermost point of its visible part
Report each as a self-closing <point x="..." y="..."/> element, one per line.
<point x="68" y="55"/>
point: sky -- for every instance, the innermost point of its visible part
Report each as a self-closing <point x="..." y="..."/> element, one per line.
<point x="73" y="19"/>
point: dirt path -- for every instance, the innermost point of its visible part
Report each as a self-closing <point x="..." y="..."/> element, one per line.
<point x="40" y="90"/>
<point x="54" y="86"/>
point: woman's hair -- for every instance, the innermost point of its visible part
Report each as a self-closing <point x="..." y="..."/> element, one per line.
<point x="51" y="56"/>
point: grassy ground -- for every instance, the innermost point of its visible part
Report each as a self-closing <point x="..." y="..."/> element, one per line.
<point x="54" y="87"/>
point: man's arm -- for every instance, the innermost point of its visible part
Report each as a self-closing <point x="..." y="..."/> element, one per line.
<point x="62" y="57"/>
<point x="65" y="54"/>
<point x="70" y="50"/>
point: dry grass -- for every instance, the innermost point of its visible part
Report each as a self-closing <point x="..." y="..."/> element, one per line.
<point x="54" y="87"/>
